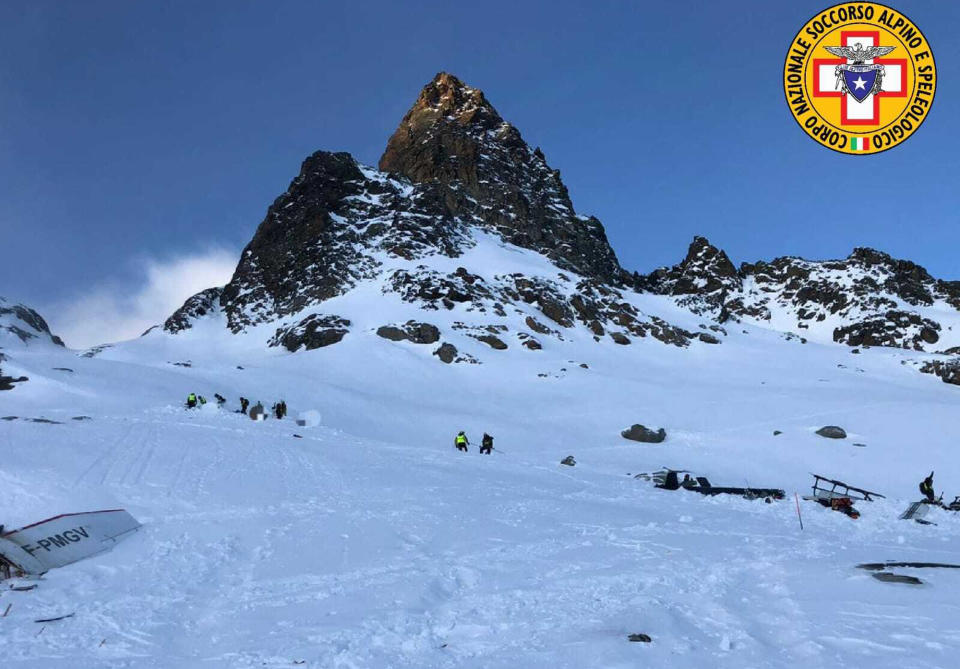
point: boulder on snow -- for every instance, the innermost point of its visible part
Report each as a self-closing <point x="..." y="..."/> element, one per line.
<point x="447" y="352"/>
<point x="832" y="432"/>
<point x="493" y="342"/>
<point x="412" y="331"/>
<point x="637" y="432"/>
<point x="620" y="338"/>
<point x="641" y="638"/>
<point x="569" y="461"/>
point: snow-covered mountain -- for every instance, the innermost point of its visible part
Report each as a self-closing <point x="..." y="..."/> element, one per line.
<point x="455" y="288"/>
<point x="455" y="183"/>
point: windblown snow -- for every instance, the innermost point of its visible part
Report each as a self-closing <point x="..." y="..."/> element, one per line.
<point x="367" y="541"/>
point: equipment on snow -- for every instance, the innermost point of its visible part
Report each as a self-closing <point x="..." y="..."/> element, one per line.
<point x="569" y="461"/>
<point x="668" y="479"/>
<point x="839" y="496"/>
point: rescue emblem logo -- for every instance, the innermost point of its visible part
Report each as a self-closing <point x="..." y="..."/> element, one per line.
<point x="860" y="78"/>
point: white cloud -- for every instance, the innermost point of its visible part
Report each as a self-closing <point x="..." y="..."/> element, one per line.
<point x="115" y="311"/>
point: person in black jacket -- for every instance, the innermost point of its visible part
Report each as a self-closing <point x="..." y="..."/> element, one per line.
<point x="486" y="446"/>
<point x="926" y="487"/>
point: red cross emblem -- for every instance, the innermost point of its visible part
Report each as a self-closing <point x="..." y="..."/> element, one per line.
<point x="868" y="111"/>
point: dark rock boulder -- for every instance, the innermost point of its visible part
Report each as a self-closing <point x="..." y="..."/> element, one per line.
<point x="620" y="338"/>
<point x="832" y="432"/>
<point x="493" y="342"/>
<point x="641" y="638"/>
<point x="708" y="338"/>
<point x="537" y="326"/>
<point x="644" y="434"/>
<point x="412" y="331"/>
<point x="314" y="331"/>
<point x="447" y="352"/>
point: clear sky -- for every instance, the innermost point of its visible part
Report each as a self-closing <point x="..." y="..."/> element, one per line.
<point x="141" y="143"/>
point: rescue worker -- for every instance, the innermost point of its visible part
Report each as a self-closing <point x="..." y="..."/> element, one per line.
<point x="244" y="403"/>
<point x="191" y="401"/>
<point x="221" y="400"/>
<point x="486" y="446"/>
<point x="201" y="399"/>
<point x="461" y="442"/>
<point x="926" y="488"/>
<point x="283" y="408"/>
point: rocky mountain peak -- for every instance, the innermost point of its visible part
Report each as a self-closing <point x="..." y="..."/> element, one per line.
<point x="703" y="279"/>
<point x="452" y="136"/>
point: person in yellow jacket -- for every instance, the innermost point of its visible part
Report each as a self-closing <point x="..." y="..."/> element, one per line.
<point x="461" y="442"/>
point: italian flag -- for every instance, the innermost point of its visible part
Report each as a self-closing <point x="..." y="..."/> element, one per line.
<point x="859" y="143"/>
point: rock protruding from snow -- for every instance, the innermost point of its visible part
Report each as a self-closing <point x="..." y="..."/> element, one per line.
<point x="948" y="371"/>
<point x="832" y="432"/>
<point x="327" y="232"/>
<point x="202" y="304"/>
<point x="412" y="331"/>
<point x="314" y="331"/>
<point x="641" y="433"/>
<point x="702" y="280"/>
<point x="453" y="136"/>
<point x="19" y="324"/>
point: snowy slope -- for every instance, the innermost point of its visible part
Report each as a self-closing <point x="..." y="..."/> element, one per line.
<point x="369" y="542"/>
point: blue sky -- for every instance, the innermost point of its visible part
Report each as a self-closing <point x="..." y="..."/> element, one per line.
<point x="150" y="135"/>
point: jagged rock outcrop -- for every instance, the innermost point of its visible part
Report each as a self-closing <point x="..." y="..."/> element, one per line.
<point x="22" y="324"/>
<point x="454" y="137"/>
<point x="867" y="299"/>
<point x="948" y="371"/>
<point x="202" y="304"/>
<point x="702" y="281"/>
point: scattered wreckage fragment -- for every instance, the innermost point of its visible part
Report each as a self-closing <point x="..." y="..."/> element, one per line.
<point x="669" y="479"/>
<point x="35" y="549"/>
<point x="838" y="495"/>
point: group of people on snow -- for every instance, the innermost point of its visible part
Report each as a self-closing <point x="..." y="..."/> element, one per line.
<point x="279" y="409"/>
<point x="461" y="442"/>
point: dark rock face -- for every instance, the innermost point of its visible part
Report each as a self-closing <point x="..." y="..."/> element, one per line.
<point x="865" y="291"/>
<point x="312" y="332"/>
<point x="643" y="434"/>
<point x="412" y="331"/>
<point x="949" y="371"/>
<point x="895" y="328"/>
<point x="453" y="136"/>
<point x="203" y="303"/>
<point x="320" y="237"/>
<point x="832" y="432"/>
<point x="24" y="323"/>
<point x="702" y="280"/>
